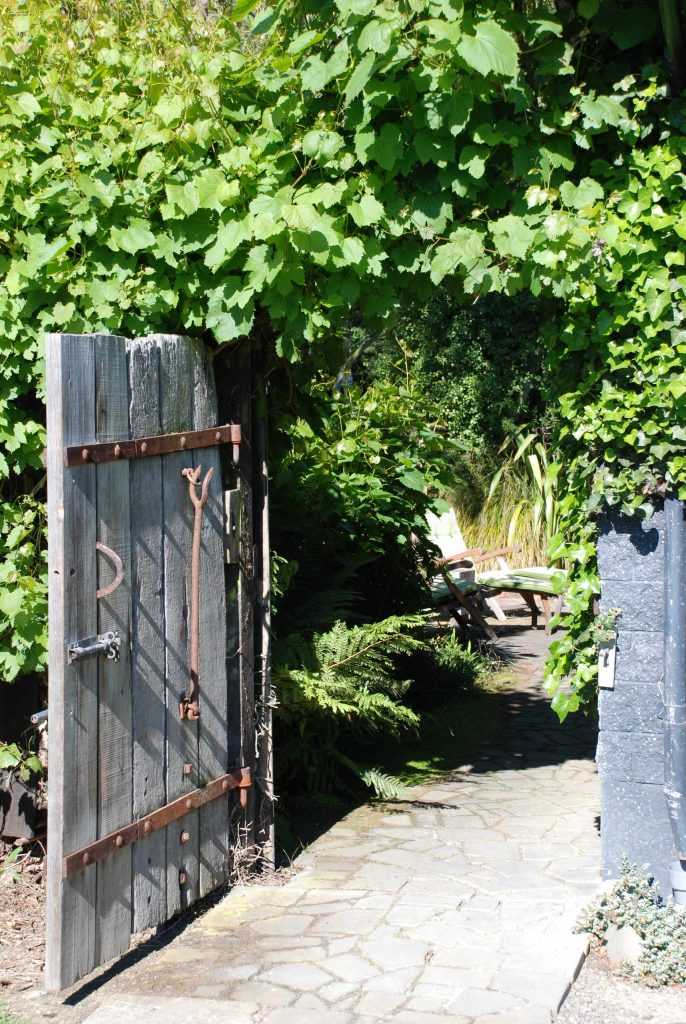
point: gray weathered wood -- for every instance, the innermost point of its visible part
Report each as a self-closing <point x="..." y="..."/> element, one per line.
<point x="176" y="391"/>
<point x="212" y="752"/>
<point x="72" y="780"/>
<point x="118" y="746"/>
<point x="113" y="920"/>
<point x="147" y="669"/>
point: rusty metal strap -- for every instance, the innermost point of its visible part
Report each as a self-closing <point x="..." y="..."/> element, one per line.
<point x="239" y="778"/>
<point x="159" y="444"/>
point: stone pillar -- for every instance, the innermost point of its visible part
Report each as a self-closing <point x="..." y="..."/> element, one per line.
<point x="630" y="756"/>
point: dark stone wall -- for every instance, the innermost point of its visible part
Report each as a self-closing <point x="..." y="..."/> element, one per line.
<point x="630" y="756"/>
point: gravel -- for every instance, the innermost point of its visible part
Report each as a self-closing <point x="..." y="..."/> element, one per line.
<point x="599" y="997"/>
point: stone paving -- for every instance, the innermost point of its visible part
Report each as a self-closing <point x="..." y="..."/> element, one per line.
<point x="453" y="906"/>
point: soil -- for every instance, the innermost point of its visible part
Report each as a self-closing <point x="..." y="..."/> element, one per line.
<point x="599" y="996"/>
<point x="22" y="924"/>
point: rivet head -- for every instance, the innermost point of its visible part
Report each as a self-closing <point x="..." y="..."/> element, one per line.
<point x="182" y="442"/>
<point x="218" y="435"/>
<point x="119" y="842"/>
<point x="147" y="827"/>
<point x="87" y="858"/>
<point x="117" y="451"/>
<point x="144" y="446"/>
<point x="189" y="805"/>
<point x="84" y="454"/>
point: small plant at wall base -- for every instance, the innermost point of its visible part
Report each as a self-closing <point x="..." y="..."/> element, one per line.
<point x="634" y="902"/>
<point x="12" y="758"/>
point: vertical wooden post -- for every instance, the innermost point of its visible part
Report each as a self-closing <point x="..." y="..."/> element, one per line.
<point x="73" y="693"/>
<point x="176" y="389"/>
<point x="113" y="919"/>
<point x="236" y="406"/>
<point x="213" y="739"/>
<point x="147" y="629"/>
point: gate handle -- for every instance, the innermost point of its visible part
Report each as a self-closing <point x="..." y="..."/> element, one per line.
<point x="119" y="567"/>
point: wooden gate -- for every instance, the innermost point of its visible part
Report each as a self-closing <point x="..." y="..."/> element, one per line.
<point x="146" y="797"/>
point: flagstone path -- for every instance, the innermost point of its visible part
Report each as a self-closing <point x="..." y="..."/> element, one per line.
<point x="453" y="906"/>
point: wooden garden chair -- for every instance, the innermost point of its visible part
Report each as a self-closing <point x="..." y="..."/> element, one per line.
<point x="546" y="584"/>
<point x="530" y="583"/>
<point x="454" y="588"/>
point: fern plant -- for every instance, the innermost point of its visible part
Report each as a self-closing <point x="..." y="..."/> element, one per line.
<point x="335" y="688"/>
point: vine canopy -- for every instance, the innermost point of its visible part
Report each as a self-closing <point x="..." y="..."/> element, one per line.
<point x="167" y="170"/>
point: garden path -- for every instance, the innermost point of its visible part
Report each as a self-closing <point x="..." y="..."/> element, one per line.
<point x="453" y="906"/>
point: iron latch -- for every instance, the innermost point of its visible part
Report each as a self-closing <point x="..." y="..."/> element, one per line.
<point x="104" y="644"/>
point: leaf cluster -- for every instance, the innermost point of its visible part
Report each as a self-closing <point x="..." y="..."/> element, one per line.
<point x="158" y="173"/>
<point x="634" y="901"/>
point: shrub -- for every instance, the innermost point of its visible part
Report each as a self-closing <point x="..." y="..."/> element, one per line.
<point x="635" y="902"/>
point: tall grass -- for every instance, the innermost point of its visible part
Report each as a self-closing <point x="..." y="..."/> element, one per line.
<point x="514" y="502"/>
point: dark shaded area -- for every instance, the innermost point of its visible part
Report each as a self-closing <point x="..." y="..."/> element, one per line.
<point x="514" y="728"/>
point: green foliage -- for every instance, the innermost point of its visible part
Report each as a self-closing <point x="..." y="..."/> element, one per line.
<point x="159" y="173"/>
<point x="334" y="688"/>
<point x="352" y="486"/>
<point x="521" y="506"/>
<point x="23" y="584"/>
<point x="634" y="902"/>
<point x="15" y="759"/>
<point x="445" y="669"/>
<point x="481" y="365"/>
<point x="7" y="865"/>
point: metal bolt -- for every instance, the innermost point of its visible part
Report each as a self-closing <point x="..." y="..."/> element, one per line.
<point x="218" y="435"/>
<point x="84" y="454"/>
<point x="147" y="827"/>
<point x="189" y="805"/>
<point x="144" y="447"/>
<point x="87" y="858"/>
<point x="182" y="442"/>
<point x="117" y="451"/>
<point x="185" y="836"/>
<point x="119" y="841"/>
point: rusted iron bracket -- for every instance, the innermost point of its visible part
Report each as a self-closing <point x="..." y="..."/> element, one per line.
<point x="239" y="778"/>
<point x="159" y="444"/>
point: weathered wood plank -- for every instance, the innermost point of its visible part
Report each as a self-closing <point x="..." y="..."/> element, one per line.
<point x="113" y="920"/>
<point x="212" y="753"/>
<point x="72" y="786"/>
<point x="147" y="668"/>
<point x="176" y="396"/>
<point x="264" y="767"/>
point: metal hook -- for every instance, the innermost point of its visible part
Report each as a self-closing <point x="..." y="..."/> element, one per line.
<point x="119" y="569"/>
<point x="189" y="706"/>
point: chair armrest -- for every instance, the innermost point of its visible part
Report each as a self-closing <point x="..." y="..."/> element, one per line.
<point x="459" y="556"/>
<point x="497" y="553"/>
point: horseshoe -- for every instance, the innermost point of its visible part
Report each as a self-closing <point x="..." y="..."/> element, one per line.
<point x="119" y="568"/>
